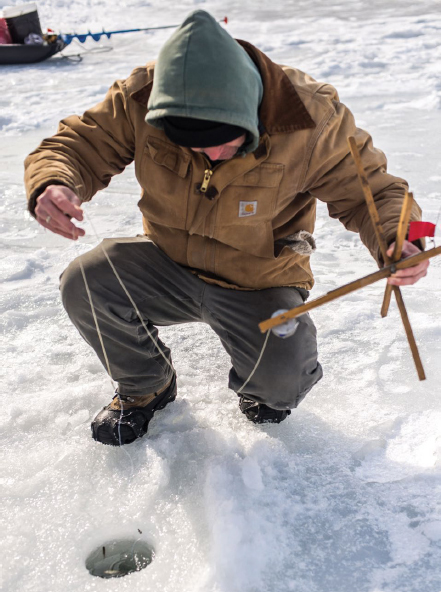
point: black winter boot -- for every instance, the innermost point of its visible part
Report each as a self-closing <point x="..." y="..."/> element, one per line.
<point x="261" y="413"/>
<point x="111" y="426"/>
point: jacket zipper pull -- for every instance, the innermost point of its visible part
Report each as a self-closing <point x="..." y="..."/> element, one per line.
<point x="206" y="181"/>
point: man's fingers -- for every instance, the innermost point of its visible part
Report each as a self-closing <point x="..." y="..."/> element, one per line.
<point x="67" y="207"/>
<point x="73" y="233"/>
<point x="65" y="234"/>
<point x="57" y="230"/>
<point x="406" y="277"/>
<point x="406" y="281"/>
<point x="63" y="198"/>
<point x="61" y="203"/>
<point x="52" y="219"/>
<point x="410" y="275"/>
<point x="58" y="218"/>
<point x="54" y="209"/>
<point x="414" y="270"/>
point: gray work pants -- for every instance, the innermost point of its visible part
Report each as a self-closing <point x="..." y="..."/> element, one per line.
<point x="167" y="294"/>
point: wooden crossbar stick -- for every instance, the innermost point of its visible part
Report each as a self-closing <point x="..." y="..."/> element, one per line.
<point x="385" y="272"/>
<point x="401" y="235"/>
<point x="383" y="247"/>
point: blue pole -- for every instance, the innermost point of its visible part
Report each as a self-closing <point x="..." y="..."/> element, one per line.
<point x="67" y="38"/>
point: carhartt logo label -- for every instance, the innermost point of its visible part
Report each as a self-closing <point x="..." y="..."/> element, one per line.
<point x="247" y="208"/>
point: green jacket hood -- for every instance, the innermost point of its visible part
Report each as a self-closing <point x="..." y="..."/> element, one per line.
<point x="202" y="72"/>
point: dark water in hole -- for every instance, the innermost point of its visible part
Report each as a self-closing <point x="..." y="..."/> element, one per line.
<point x="116" y="559"/>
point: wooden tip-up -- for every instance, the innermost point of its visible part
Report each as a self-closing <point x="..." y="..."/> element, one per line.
<point x="391" y="265"/>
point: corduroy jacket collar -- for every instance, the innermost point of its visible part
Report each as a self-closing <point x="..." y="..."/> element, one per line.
<point x="281" y="110"/>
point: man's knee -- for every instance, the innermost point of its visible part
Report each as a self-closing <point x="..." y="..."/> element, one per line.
<point x="83" y="273"/>
<point x="288" y="388"/>
<point x="71" y="284"/>
<point x="297" y="389"/>
<point x="298" y="369"/>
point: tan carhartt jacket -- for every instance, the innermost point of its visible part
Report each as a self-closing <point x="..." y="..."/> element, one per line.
<point x="239" y="231"/>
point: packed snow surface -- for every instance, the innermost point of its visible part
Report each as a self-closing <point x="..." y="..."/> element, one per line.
<point x="344" y="496"/>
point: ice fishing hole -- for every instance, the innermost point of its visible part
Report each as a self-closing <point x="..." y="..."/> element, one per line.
<point x="116" y="559"/>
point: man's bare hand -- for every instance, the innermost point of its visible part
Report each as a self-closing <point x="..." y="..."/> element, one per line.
<point x="409" y="276"/>
<point x="55" y="208"/>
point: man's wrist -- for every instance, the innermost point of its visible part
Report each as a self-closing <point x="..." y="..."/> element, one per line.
<point x="32" y="202"/>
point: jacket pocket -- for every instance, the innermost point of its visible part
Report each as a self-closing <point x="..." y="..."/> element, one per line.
<point x="165" y="179"/>
<point x="246" y="210"/>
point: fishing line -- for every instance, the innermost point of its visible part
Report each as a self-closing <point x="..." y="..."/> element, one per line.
<point x="132" y="467"/>
<point x="130" y="297"/>
<point x="96" y="323"/>
<point x="257" y="363"/>
<point x="155" y="342"/>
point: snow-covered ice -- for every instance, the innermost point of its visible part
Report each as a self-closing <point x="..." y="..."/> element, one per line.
<point x="345" y="495"/>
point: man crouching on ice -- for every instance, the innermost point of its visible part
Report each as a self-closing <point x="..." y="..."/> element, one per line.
<point x="231" y="151"/>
